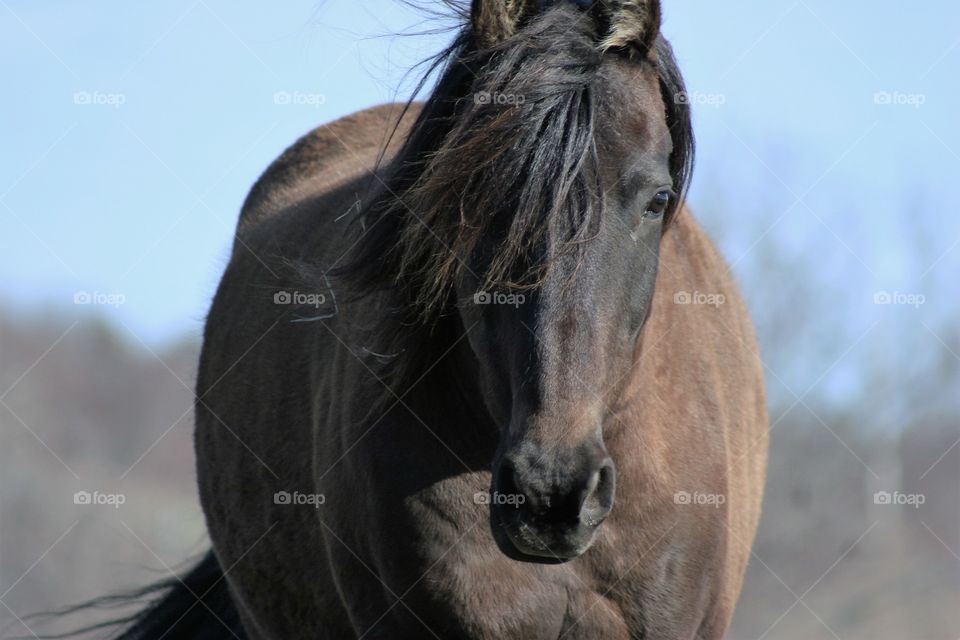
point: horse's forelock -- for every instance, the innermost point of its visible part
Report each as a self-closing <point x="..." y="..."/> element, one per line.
<point x="518" y="152"/>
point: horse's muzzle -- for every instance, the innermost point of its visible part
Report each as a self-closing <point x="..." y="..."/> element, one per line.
<point x="550" y="505"/>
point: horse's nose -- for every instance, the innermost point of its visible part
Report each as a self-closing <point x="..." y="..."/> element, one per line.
<point x="576" y="488"/>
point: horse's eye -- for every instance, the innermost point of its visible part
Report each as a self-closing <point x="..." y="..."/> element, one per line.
<point x="658" y="206"/>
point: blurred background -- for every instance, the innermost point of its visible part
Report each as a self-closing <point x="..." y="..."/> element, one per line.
<point x="829" y="154"/>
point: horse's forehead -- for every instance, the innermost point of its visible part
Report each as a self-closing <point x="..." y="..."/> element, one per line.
<point x="634" y="105"/>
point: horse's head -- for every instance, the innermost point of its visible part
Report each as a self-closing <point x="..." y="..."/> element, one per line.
<point x="575" y="110"/>
<point x="535" y="187"/>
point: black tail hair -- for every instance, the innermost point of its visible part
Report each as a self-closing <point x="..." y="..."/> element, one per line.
<point x="195" y="606"/>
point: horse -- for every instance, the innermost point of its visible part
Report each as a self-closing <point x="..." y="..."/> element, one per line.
<point x="473" y="370"/>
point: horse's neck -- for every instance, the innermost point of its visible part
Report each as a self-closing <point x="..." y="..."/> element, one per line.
<point x="447" y="385"/>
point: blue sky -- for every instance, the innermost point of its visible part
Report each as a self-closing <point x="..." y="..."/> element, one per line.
<point x="132" y="131"/>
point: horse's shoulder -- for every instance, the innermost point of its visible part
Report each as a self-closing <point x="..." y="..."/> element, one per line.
<point x="694" y="260"/>
<point x="329" y="156"/>
<point x="696" y="287"/>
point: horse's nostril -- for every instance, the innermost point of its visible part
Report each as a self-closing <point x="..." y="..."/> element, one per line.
<point x="607" y="483"/>
<point x="599" y="495"/>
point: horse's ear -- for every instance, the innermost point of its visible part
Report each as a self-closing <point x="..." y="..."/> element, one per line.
<point x="633" y="23"/>
<point x="496" y="20"/>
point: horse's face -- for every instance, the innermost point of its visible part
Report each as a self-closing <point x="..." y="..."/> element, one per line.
<point x="553" y="357"/>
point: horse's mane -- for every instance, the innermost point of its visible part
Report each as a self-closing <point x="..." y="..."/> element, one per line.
<point x="475" y="174"/>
